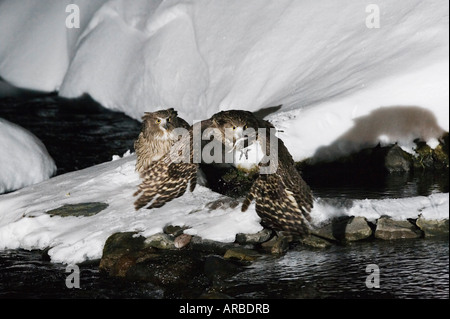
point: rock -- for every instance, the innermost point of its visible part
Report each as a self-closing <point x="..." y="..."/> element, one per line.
<point x="182" y="240"/>
<point x="277" y="245"/>
<point x="397" y="160"/>
<point x="174" y="230"/>
<point x="168" y="268"/>
<point x="333" y="230"/>
<point x="160" y="241"/>
<point x="242" y="254"/>
<point x="357" y="229"/>
<point x="118" y="245"/>
<point x="257" y="238"/>
<point x="428" y="158"/>
<point x="315" y="242"/>
<point x="77" y="210"/>
<point x="210" y="246"/>
<point x="388" y="228"/>
<point x="433" y="228"/>
<point x="222" y="203"/>
<point x="344" y="229"/>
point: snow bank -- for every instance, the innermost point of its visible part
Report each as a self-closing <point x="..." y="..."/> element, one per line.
<point x="24" y="223"/>
<point x="433" y="207"/>
<point x="318" y="59"/>
<point x="24" y="160"/>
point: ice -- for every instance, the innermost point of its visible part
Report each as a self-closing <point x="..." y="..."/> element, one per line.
<point x="319" y="60"/>
<point x="24" y="160"/>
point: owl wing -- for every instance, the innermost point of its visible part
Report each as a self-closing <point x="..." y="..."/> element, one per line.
<point x="169" y="177"/>
<point x="283" y="200"/>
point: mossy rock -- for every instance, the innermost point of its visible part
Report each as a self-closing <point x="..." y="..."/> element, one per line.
<point x="120" y="248"/>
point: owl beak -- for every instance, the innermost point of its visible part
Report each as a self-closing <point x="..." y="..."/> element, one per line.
<point x="165" y="126"/>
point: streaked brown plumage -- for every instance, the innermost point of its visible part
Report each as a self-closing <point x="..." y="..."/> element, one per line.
<point x="156" y="138"/>
<point x="282" y="199"/>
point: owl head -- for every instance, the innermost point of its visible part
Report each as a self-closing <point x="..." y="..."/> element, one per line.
<point x="235" y="126"/>
<point x="160" y="124"/>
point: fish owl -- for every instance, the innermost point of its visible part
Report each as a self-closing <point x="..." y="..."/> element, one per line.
<point x="282" y="198"/>
<point x="156" y="137"/>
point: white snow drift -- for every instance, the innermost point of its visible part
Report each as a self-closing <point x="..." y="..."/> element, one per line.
<point x="319" y="59"/>
<point x="24" y="160"/>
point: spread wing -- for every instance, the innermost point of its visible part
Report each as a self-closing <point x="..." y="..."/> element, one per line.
<point x="282" y="198"/>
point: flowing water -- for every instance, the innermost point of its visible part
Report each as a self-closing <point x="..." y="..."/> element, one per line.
<point x="80" y="133"/>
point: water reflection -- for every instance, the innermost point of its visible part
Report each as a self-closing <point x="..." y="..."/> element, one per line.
<point x="408" y="269"/>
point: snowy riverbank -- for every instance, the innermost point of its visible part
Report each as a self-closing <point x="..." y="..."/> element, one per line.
<point x="24" y="222"/>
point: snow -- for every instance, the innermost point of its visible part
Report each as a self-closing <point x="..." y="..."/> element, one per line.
<point x="432" y="207"/>
<point x="320" y="60"/>
<point x="24" y="160"/>
<point x="25" y="224"/>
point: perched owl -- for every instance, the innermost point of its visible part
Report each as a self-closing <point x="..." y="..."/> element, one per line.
<point x="282" y="198"/>
<point x="156" y="138"/>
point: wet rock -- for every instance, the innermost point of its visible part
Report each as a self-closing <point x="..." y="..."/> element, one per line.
<point x="433" y="228"/>
<point x="397" y="160"/>
<point x="334" y="230"/>
<point x="357" y="229"/>
<point x="388" y="229"/>
<point x="168" y="268"/>
<point x="77" y="210"/>
<point x="257" y="238"/>
<point x="229" y="181"/>
<point x="315" y="242"/>
<point x="210" y="246"/>
<point x="160" y="241"/>
<point x="344" y="229"/>
<point x="277" y="245"/>
<point x="241" y="254"/>
<point x="120" y="252"/>
<point x="182" y="240"/>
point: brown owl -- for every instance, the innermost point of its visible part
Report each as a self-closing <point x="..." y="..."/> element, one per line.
<point x="156" y="138"/>
<point x="282" y="198"/>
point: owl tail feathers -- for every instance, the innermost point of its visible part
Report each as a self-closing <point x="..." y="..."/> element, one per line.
<point x="277" y="206"/>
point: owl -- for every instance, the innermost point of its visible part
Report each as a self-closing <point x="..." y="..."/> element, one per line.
<point x="156" y="138"/>
<point x="282" y="198"/>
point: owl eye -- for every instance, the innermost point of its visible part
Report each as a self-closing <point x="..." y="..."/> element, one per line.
<point x="158" y="121"/>
<point x="168" y="120"/>
<point x="245" y="127"/>
<point x="234" y="128"/>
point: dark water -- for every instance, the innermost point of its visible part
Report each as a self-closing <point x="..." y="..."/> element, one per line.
<point x="408" y="269"/>
<point x="80" y="133"/>
<point x="77" y="133"/>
